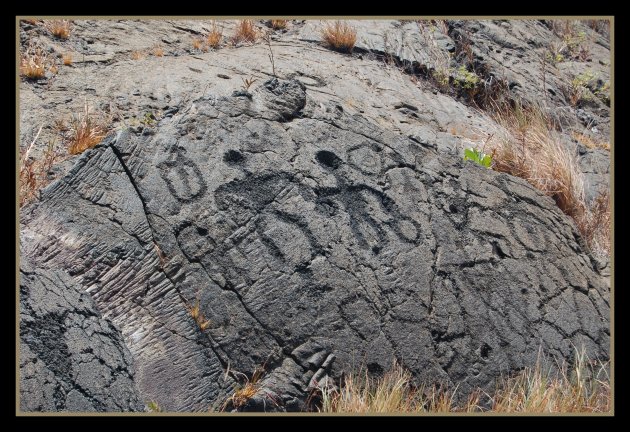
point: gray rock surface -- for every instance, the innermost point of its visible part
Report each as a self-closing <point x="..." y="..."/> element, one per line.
<point x="122" y="91"/>
<point x="71" y="359"/>
<point x="595" y="164"/>
<point x="314" y="240"/>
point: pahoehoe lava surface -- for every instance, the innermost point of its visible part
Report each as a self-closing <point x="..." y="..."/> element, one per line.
<point x="314" y="241"/>
<point x="71" y="359"/>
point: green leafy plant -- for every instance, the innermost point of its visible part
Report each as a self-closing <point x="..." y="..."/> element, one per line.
<point x="578" y="45"/>
<point x="478" y="156"/>
<point x="579" y="89"/>
<point x="554" y="58"/>
<point x="556" y="53"/>
<point x="465" y="79"/>
<point x="149" y="119"/>
<point x="154" y="407"/>
<point x="441" y="75"/>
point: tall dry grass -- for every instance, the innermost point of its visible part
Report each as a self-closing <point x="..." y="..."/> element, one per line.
<point x="213" y="39"/>
<point x="34" y="62"/>
<point x="66" y="59"/>
<point x="60" y="29"/>
<point x="595" y="224"/>
<point x="590" y="141"/>
<point x="198" y="44"/>
<point x="392" y="393"/>
<point x="84" y="132"/>
<point x="582" y="388"/>
<point x="245" y="31"/>
<point x="526" y="143"/>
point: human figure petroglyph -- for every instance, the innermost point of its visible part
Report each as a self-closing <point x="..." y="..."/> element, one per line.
<point x="183" y="178"/>
<point x="252" y="198"/>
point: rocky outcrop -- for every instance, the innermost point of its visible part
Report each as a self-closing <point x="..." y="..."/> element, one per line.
<point x="71" y="359"/>
<point x="130" y="91"/>
<point x="313" y="241"/>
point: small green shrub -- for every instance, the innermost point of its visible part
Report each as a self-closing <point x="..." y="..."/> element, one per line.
<point x="554" y="58"/>
<point x="154" y="407"/>
<point x="442" y="76"/>
<point x="579" y="89"/>
<point x="478" y="156"/>
<point x="465" y="79"/>
<point x="579" y="45"/>
<point x="556" y="53"/>
<point x="149" y="119"/>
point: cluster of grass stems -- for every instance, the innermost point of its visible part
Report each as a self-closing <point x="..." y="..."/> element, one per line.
<point x="582" y="388"/>
<point x="527" y="143"/>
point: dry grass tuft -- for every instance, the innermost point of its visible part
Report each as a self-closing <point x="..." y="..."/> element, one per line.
<point x="392" y="393"/>
<point x="278" y="24"/>
<point x="583" y="389"/>
<point x="59" y="28"/>
<point x="33" y="63"/>
<point x="245" y="32"/>
<point x="158" y="51"/>
<point x="594" y="225"/>
<point x="339" y="36"/>
<point x="198" y="44"/>
<point x="34" y="173"/>
<point x="245" y="392"/>
<point x="196" y="314"/>
<point x="526" y="144"/>
<point x="83" y="132"/>
<point x="213" y="39"/>
<point x="67" y="59"/>
<point x="137" y="55"/>
<point x="590" y="142"/>
<point x="30" y="21"/>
